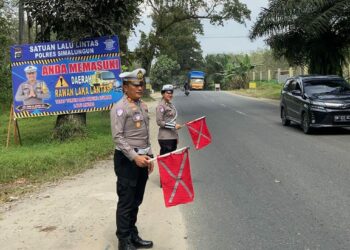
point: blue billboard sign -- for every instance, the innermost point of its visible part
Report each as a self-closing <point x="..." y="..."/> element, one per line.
<point x="66" y="77"/>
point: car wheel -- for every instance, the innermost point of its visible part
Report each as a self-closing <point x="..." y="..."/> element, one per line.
<point x="305" y="123"/>
<point x="285" y="121"/>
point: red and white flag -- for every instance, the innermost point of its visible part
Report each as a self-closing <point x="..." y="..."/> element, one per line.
<point x="199" y="132"/>
<point x="175" y="177"/>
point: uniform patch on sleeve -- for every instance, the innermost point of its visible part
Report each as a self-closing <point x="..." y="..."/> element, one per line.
<point x="161" y="109"/>
<point x="120" y="112"/>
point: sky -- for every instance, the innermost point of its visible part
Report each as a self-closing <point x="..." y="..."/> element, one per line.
<point x="231" y="38"/>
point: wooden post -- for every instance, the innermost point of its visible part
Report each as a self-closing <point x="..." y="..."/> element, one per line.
<point x="9" y="127"/>
<point x="269" y="75"/>
<point x="16" y="133"/>
<point x="254" y="75"/>
<point x="260" y="75"/>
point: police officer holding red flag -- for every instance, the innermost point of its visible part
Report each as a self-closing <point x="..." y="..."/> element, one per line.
<point x="166" y="115"/>
<point x="130" y="131"/>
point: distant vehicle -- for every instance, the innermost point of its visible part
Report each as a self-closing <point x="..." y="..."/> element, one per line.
<point x="315" y="101"/>
<point x="105" y="78"/>
<point x="196" y="80"/>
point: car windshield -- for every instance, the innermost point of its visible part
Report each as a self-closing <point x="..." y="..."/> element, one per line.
<point x="108" y="75"/>
<point x="325" y="86"/>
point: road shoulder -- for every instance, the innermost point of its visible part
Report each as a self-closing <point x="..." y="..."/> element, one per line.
<point x="272" y="101"/>
<point x="79" y="212"/>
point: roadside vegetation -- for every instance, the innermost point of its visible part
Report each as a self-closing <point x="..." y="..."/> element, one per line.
<point x="173" y="47"/>
<point x="42" y="158"/>
<point x="264" y="89"/>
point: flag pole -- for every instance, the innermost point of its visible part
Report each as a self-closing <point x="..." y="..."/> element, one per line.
<point x="173" y="152"/>
<point x="196" y="119"/>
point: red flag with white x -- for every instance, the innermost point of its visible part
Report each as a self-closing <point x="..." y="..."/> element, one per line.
<point x="199" y="132"/>
<point x="175" y="176"/>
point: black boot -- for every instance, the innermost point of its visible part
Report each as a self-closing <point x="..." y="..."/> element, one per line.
<point x="126" y="245"/>
<point x="140" y="243"/>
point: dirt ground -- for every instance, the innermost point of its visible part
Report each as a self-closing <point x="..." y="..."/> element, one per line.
<point x="79" y="213"/>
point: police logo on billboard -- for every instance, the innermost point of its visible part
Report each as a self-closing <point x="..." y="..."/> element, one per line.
<point x="18" y="52"/>
<point x="109" y="44"/>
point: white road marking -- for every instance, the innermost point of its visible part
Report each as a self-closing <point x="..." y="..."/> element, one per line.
<point x="241" y="113"/>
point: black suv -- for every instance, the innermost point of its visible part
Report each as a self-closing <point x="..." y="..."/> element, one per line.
<point x="316" y="101"/>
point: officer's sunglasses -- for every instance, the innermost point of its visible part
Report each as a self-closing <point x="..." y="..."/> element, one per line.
<point x="169" y="92"/>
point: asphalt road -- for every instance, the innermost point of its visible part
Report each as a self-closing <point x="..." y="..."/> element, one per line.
<point x="260" y="185"/>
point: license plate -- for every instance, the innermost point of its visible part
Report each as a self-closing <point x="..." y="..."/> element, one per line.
<point x="342" y="118"/>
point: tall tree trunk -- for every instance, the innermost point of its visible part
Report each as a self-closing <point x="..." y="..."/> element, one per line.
<point x="70" y="126"/>
<point x="79" y="119"/>
<point x="30" y="26"/>
<point x="20" y="21"/>
<point x="150" y="59"/>
<point x="123" y="47"/>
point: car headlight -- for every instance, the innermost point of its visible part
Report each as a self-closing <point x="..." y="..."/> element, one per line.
<point x="314" y="107"/>
<point x="333" y="105"/>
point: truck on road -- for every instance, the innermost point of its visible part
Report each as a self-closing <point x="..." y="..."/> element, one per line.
<point x="196" y="80"/>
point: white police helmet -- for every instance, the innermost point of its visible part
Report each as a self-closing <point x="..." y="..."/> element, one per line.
<point x="135" y="76"/>
<point x="30" y="69"/>
<point x="167" y="87"/>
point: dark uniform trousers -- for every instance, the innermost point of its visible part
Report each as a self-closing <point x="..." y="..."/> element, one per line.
<point x="167" y="146"/>
<point x="131" y="185"/>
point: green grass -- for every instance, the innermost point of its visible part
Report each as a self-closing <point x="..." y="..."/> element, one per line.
<point x="270" y="90"/>
<point x="41" y="159"/>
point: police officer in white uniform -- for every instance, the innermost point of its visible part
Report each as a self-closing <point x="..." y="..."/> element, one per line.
<point x="32" y="91"/>
<point x="166" y="115"/>
<point x="130" y="131"/>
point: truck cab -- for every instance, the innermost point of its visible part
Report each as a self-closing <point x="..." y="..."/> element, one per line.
<point x="196" y="80"/>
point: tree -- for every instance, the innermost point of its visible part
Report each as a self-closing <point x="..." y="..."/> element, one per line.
<point x="214" y="68"/>
<point x="263" y="60"/>
<point x="167" y="13"/>
<point x="231" y="71"/>
<point x="72" y="19"/>
<point x="236" y="72"/>
<point x="7" y="38"/>
<point x="307" y="32"/>
<point x="76" y="19"/>
<point x="162" y="71"/>
<point x="178" y="42"/>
